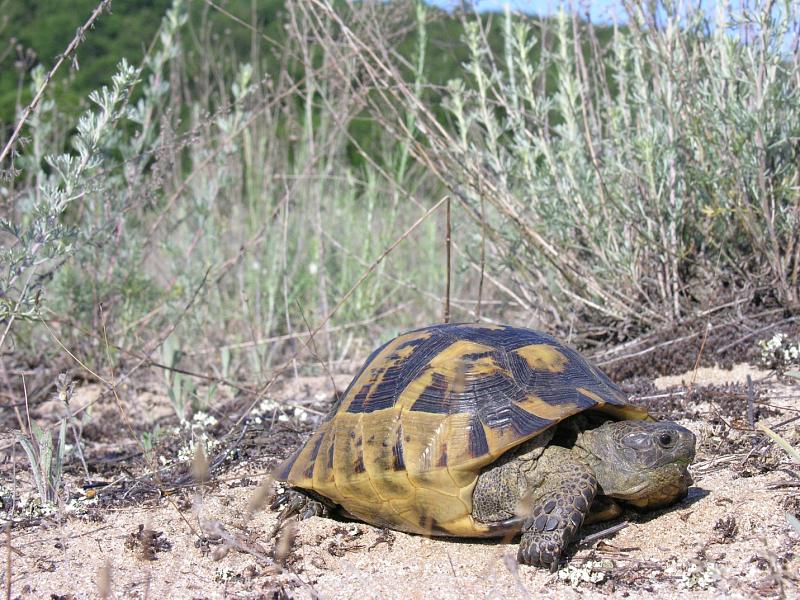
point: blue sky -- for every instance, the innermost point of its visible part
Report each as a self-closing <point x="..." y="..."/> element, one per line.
<point x="600" y="11"/>
<point x="610" y="11"/>
<point x="603" y="11"/>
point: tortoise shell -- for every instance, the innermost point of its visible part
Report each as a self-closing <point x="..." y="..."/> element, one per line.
<point x="405" y="443"/>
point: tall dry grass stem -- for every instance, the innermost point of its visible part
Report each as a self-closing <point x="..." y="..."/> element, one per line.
<point x="448" y="263"/>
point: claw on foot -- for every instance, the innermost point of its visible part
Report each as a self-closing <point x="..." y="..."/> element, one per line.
<point x="540" y="553"/>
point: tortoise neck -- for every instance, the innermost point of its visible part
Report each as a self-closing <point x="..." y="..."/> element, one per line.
<point x="592" y="448"/>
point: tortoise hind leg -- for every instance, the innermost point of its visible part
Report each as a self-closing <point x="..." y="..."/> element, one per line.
<point x="603" y="509"/>
<point x="557" y="510"/>
<point x="301" y="503"/>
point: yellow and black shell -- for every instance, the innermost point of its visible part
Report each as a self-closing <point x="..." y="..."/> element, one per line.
<point x="405" y="443"/>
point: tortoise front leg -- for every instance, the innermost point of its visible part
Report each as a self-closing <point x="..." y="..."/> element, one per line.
<point x="556" y="510"/>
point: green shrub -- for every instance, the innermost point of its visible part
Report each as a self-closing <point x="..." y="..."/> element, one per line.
<point x="222" y="213"/>
<point x="634" y="180"/>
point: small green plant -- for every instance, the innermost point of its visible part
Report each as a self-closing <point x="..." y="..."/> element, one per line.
<point x="181" y="391"/>
<point x="46" y="462"/>
<point x="787" y="447"/>
<point x="65" y="388"/>
<point x="149" y="441"/>
<point x="780" y="352"/>
<point x="180" y="388"/>
<point x="793" y="454"/>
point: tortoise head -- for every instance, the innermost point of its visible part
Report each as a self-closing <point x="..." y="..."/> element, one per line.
<point x="643" y="463"/>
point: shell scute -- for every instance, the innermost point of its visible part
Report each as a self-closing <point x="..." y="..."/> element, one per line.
<point x="375" y="386"/>
<point x="477" y="444"/>
<point x="543" y="357"/>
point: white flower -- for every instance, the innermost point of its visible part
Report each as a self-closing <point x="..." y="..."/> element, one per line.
<point x="266" y="405"/>
<point x="592" y="571"/>
<point x="204" y="419"/>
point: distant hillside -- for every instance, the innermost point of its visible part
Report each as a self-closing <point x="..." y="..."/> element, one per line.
<point x="39" y="30"/>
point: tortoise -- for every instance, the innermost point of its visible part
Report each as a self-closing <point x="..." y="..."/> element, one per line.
<point x="476" y="430"/>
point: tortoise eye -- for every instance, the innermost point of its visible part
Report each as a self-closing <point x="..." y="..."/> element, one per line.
<point x="666" y="439"/>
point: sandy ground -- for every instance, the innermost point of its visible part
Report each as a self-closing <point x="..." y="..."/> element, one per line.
<point x="729" y="538"/>
<point x="711" y="375"/>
